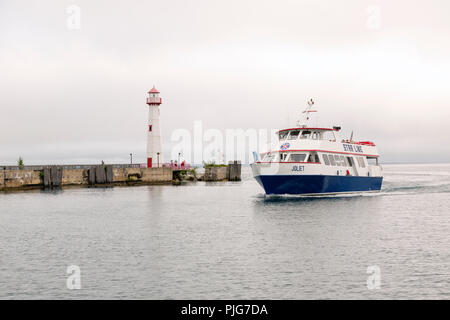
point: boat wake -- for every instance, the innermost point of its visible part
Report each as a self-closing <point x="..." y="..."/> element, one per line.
<point x="438" y="187"/>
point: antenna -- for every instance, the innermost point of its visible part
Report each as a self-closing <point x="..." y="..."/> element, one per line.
<point x="306" y="113"/>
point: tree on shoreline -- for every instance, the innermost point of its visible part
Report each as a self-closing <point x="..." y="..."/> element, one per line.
<point x="20" y="162"/>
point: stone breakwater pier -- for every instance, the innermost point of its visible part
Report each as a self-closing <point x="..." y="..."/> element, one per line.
<point x="37" y="177"/>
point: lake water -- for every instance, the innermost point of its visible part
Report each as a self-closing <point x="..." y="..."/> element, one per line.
<point x="229" y="241"/>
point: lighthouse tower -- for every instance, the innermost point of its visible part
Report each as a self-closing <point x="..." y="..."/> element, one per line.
<point x="154" y="154"/>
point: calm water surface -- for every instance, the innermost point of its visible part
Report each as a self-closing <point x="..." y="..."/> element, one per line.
<point x="229" y="241"/>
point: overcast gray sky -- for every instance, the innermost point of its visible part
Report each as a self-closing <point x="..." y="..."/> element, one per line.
<point x="379" y="68"/>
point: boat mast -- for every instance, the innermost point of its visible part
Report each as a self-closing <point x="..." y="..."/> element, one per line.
<point x="306" y="114"/>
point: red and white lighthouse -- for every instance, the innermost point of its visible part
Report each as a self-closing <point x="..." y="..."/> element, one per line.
<point x="154" y="152"/>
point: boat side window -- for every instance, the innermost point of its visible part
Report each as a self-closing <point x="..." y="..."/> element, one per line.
<point x="294" y="135"/>
<point x="316" y="135"/>
<point x="269" y="157"/>
<point x="305" y="134"/>
<point x="283" y="156"/>
<point x="310" y="158"/>
<point x="372" y="161"/>
<point x="330" y="156"/>
<point x="316" y="156"/>
<point x="338" y="160"/>
<point x="350" y="161"/>
<point x="344" y="161"/>
<point x="297" y="157"/>
<point x="325" y="159"/>
<point x="283" y="135"/>
<point x="328" y="135"/>
<point x="361" y="162"/>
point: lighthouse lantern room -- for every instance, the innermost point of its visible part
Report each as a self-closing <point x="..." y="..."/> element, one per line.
<point x="154" y="154"/>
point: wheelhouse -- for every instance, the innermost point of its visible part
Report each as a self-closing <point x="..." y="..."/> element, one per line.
<point x="308" y="134"/>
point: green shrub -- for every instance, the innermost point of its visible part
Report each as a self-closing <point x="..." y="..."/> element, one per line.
<point x="20" y="162"/>
<point x="212" y="164"/>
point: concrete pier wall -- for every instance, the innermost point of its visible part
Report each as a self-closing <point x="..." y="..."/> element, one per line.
<point x="19" y="178"/>
<point x="34" y="177"/>
<point x="145" y="175"/>
<point x="231" y="172"/>
<point x="74" y="177"/>
<point x="234" y="171"/>
<point x="216" y="174"/>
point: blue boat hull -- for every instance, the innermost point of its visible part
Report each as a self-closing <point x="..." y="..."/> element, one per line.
<point x="317" y="184"/>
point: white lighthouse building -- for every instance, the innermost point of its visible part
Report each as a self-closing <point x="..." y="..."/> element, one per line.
<point x="154" y="152"/>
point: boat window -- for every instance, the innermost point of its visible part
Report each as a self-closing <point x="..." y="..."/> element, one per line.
<point x="317" y="158"/>
<point x="316" y="135"/>
<point x="350" y="161"/>
<point x="344" y="161"/>
<point x="338" y="160"/>
<point x="361" y="162"/>
<point x="298" y="157"/>
<point x="332" y="160"/>
<point x="325" y="159"/>
<point x="269" y="157"/>
<point x="283" y="156"/>
<point x="305" y="134"/>
<point x="294" y="135"/>
<point x="372" y="161"/>
<point x="328" y="135"/>
<point x="283" y="135"/>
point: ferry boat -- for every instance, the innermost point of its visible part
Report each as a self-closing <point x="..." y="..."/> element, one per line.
<point x="310" y="160"/>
